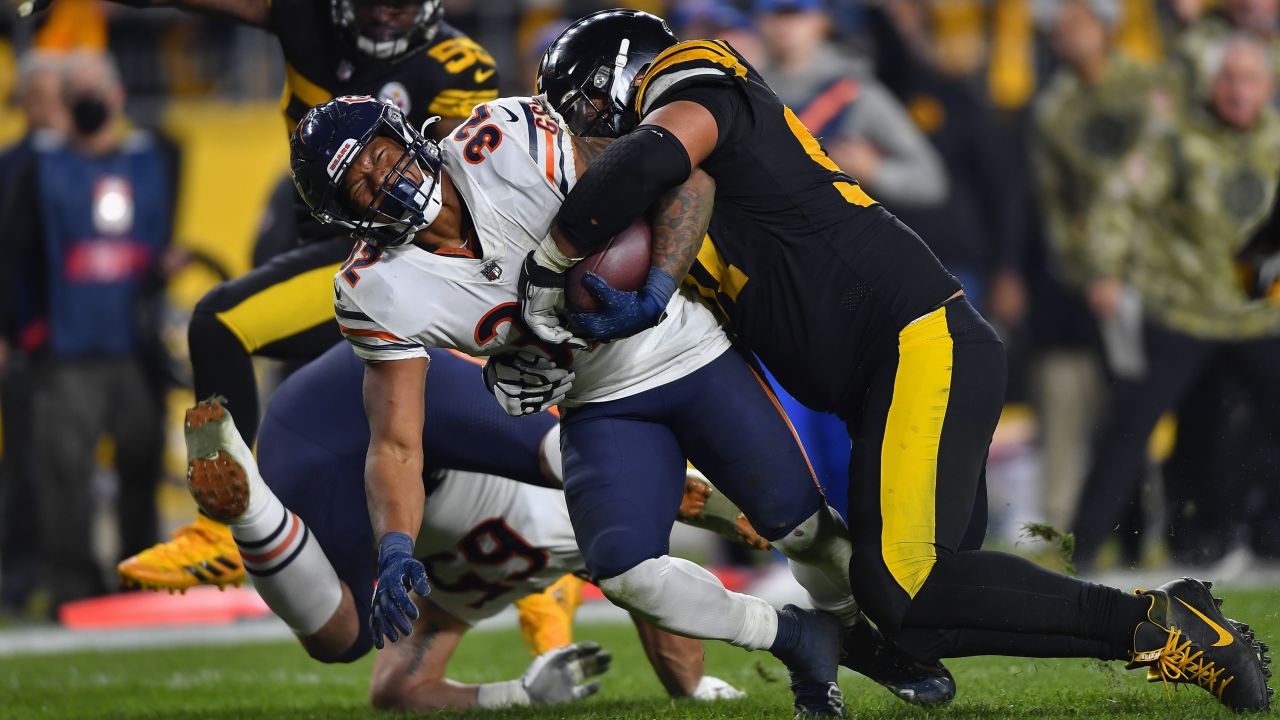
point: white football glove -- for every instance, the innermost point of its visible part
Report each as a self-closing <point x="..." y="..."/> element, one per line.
<point x="541" y="291"/>
<point x="710" y="689"/>
<point x="556" y="676"/>
<point x="525" y="382"/>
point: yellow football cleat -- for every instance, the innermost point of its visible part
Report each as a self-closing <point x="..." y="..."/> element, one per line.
<point x="546" y="618"/>
<point x="202" y="553"/>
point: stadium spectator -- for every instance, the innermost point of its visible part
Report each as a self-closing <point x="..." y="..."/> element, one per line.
<point x="90" y="219"/>
<point x="976" y="232"/>
<point x="864" y="129"/>
<point x="1087" y="120"/>
<point x="720" y="20"/>
<point x="1187" y="204"/>
<point x="1201" y="31"/>
<point x="40" y="98"/>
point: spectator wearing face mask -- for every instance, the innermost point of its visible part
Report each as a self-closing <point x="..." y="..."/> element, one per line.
<point x="89" y="220"/>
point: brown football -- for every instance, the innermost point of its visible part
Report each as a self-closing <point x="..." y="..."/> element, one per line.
<point x="623" y="262"/>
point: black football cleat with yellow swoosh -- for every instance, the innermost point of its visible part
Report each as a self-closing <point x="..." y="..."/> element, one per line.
<point x="1187" y="639"/>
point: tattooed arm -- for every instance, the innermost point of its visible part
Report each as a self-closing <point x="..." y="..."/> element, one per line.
<point x="679" y="221"/>
<point x="411" y="673"/>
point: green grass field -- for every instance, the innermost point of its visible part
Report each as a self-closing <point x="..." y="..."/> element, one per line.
<point x="279" y="681"/>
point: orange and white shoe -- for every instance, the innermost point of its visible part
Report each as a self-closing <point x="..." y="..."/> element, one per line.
<point x="546" y="618"/>
<point x="201" y="553"/>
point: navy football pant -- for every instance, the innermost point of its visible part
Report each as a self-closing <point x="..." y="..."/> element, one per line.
<point x="624" y="463"/>
<point x="313" y="439"/>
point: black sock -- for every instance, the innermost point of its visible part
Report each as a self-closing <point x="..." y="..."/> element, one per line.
<point x="1022" y="604"/>
<point x="1115" y="613"/>
<point x="788" y="634"/>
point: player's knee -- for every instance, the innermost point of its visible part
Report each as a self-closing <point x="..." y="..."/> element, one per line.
<point x="614" y="552"/>
<point x="330" y="653"/>
<point x="819" y="538"/>
<point x="639" y="589"/>
<point x="875" y="589"/>
<point x="776" y="515"/>
<point x="206" y="329"/>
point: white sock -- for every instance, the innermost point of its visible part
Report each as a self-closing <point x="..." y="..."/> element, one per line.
<point x="684" y="598"/>
<point x="289" y="569"/>
<point x="818" y="553"/>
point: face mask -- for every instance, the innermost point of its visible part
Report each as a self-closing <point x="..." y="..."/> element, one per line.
<point x="89" y="113"/>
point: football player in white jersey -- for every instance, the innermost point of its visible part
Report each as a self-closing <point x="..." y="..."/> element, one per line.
<point x="445" y="227"/>
<point x="306" y="537"/>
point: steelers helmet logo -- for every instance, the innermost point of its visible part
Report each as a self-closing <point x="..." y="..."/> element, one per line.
<point x="395" y="94"/>
<point x="1243" y="194"/>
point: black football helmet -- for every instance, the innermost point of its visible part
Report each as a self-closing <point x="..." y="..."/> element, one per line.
<point x="331" y="136"/>
<point x="587" y="73"/>
<point x="387" y="29"/>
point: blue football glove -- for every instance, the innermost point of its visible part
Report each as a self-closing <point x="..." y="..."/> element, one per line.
<point x="398" y="573"/>
<point x="623" y="313"/>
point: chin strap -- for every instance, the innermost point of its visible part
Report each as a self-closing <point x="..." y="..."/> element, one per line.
<point x="428" y="123"/>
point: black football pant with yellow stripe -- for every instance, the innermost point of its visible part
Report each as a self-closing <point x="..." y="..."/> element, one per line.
<point x="920" y="439"/>
<point x="281" y="310"/>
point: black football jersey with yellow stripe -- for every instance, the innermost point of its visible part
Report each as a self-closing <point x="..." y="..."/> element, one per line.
<point x="448" y="77"/>
<point x="810" y="271"/>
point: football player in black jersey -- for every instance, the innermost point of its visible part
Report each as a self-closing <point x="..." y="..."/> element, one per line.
<point x="854" y="315"/>
<point x="399" y="51"/>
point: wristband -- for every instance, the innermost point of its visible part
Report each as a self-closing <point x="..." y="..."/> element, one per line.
<point x="502" y="694"/>
<point x="548" y="255"/>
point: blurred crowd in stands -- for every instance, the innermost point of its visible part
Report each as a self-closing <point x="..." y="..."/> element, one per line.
<point x="1100" y="174"/>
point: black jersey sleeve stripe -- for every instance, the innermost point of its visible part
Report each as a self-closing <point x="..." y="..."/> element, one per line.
<point x="564" y="179"/>
<point x="352" y="315"/>
<point x="533" y="132"/>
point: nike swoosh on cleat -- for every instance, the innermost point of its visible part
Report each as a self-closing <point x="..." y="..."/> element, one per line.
<point x="1224" y="637"/>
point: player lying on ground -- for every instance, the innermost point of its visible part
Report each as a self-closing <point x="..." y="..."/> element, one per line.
<point x="854" y="315"/>
<point x="446" y="226"/>
<point x="298" y="515"/>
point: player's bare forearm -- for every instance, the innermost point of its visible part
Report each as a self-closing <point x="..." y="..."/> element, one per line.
<point x="680" y="221"/>
<point x="393" y="489"/>
<point x="393" y="392"/>
<point x="677" y="661"/>
<point x="410" y="675"/>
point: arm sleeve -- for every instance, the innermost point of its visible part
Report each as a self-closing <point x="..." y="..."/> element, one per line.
<point x="621" y="185"/>
<point x="911" y="172"/>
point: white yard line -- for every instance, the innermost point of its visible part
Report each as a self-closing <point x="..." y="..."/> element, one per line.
<point x="54" y="640"/>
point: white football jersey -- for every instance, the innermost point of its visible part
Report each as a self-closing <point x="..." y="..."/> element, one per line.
<point x="512" y="164"/>
<point x="488" y="541"/>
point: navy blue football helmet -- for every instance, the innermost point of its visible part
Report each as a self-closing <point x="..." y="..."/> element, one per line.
<point x="329" y="139"/>
<point x="587" y="74"/>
